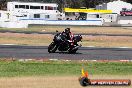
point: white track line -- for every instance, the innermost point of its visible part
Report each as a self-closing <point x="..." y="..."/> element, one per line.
<point x="8" y="44"/>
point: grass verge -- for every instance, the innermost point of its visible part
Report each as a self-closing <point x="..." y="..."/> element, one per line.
<point x="46" y="39"/>
<point x="76" y="29"/>
<point x="62" y="68"/>
<point x="55" y="82"/>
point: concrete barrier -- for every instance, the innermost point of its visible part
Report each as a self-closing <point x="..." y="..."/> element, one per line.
<point x="125" y="22"/>
<point x="19" y="24"/>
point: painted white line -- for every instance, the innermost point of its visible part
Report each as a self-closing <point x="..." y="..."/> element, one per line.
<point x="84" y="46"/>
<point x="114" y="60"/>
<point x="67" y="60"/>
<point x="124" y="47"/>
<point x="8" y="44"/>
<point x="107" y="47"/>
<point x="25" y="60"/>
<point x="125" y="60"/>
<point x="106" y="60"/>
<point x="53" y="59"/>
<point x="94" y="60"/>
<point x="90" y="46"/>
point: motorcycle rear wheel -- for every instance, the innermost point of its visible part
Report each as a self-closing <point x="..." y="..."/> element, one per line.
<point x="73" y="51"/>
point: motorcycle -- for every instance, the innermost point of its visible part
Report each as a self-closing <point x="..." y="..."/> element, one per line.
<point x="62" y="44"/>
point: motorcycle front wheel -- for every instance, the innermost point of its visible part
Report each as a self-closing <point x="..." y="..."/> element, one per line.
<point x="52" y="48"/>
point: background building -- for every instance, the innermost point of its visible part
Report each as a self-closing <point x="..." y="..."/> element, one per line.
<point x="115" y="6"/>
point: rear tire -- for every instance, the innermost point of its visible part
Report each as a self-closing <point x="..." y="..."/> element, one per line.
<point x="52" y="48"/>
<point x="73" y="51"/>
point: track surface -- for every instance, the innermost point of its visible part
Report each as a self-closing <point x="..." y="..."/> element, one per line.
<point x="38" y="52"/>
<point x="34" y="32"/>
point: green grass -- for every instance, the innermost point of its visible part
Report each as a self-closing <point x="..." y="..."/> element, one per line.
<point x="36" y="28"/>
<point x="58" y="68"/>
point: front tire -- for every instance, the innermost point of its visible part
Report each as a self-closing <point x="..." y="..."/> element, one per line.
<point x="52" y="48"/>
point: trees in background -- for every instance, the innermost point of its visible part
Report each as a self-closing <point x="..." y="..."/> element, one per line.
<point x="129" y="1"/>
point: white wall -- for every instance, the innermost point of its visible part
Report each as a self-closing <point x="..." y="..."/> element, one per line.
<point x="109" y="17"/>
<point x="25" y="23"/>
<point x="20" y="24"/>
<point x="105" y="17"/>
<point x="125" y="22"/>
<point x="91" y="16"/>
<point x="91" y="21"/>
<point x="72" y="22"/>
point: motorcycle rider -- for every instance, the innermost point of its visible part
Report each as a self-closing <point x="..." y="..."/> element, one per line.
<point x="65" y="41"/>
<point x="68" y="35"/>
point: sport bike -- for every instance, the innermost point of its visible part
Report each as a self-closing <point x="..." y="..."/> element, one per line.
<point x="60" y="43"/>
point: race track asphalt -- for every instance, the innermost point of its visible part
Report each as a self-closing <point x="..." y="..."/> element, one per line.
<point x="34" y="32"/>
<point x="84" y="53"/>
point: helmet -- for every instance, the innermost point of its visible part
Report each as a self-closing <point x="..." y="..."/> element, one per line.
<point x="80" y="36"/>
<point x="67" y="30"/>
